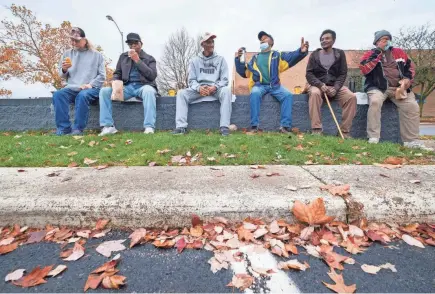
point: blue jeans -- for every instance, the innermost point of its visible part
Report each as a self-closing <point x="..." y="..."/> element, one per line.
<point x="284" y="97"/>
<point x="82" y="99"/>
<point x="146" y="93"/>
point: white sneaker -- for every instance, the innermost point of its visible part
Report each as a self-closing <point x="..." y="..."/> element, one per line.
<point x="373" y="140"/>
<point x="417" y="145"/>
<point x="148" y="130"/>
<point x="108" y="131"/>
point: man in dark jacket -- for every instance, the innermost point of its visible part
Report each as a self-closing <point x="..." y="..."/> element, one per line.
<point x="389" y="71"/>
<point x="326" y="73"/>
<point x="137" y="70"/>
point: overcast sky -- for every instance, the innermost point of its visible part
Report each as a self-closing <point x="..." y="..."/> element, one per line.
<point x="235" y="22"/>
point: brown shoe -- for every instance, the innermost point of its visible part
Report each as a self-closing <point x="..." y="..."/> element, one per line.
<point x="318" y="132"/>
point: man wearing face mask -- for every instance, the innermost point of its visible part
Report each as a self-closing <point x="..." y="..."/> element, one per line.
<point x="84" y="71"/>
<point x="263" y="71"/>
<point x="138" y="72"/>
<point x="386" y="68"/>
<point x="326" y="74"/>
<point x="208" y="80"/>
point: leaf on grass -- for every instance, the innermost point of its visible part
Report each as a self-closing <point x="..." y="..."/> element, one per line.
<point x="36" y="237"/>
<point x="128" y="142"/>
<point x="293" y="264"/>
<point x="89" y="161"/>
<point x="113" y="282"/>
<point x="164" y="151"/>
<point x="101" y="224"/>
<point x="313" y="213"/>
<point x="370" y="269"/>
<point x="73" y="164"/>
<point x="34" y="278"/>
<point x="91" y="144"/>
<point x="106" y="248"/>
<point x="15" y="275"/>
<point x="339" y="286"/>
<point x="8" y="248"/>
<point x="77" y="252"/>
<point x="137" y="236"/>
<point x="211" y="159"/>
<point x="152" y="163"/>
<point x="241" y="281"/>
<point x="412" y="241"/>
<point x="394" y="160"/>
<point x="342" y="190"/>
<point x="60" y="268"/>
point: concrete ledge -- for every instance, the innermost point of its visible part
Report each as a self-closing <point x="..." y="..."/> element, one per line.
<point x="153" y="197"/>
<point x="391" y="199"/>
<point x="34" y="114"/>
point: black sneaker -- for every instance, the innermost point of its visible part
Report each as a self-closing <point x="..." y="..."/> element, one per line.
<point x="254" y="129"/>
<point x="285" y="130"/>
<point x="225" y="131"/>
<point x="179" y="131"/>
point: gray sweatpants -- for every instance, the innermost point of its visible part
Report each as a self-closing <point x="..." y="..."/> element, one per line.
<point x="187" y="96"/>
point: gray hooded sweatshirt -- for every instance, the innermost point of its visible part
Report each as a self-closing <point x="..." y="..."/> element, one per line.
<point x="212" y="70"/>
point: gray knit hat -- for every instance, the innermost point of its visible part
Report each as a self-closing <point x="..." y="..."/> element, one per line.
<point x="380" y="34"/>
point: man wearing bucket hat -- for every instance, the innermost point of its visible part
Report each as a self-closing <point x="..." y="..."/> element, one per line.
<point x="137" y="70"/>
<point x="387" y="68"/>
<point x="208" y="80"/>
<point x="84" y="71"/>
<point x="263" y="72"/>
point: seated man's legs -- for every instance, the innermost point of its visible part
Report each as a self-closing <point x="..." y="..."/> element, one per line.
<point x="148" y="95"/>
<point x="184" y="97"/>
<point x="61" y="101"/>
<point x="257" y="93"/>
<point x="409" y="117"/>
<point x="376" y="100"/>
<point x="83" y="100"/>
<point x="106" y="119"/>
<point x="347" y="101"/>
<point x="225" y="96"/>
<point x="315" y="101"/>
<point x="285" y="98"/>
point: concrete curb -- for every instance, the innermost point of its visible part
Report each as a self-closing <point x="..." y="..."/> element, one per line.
<point x="158" y="196"/>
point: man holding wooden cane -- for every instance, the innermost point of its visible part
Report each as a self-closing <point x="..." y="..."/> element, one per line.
<point x="326" y="74"/>
<point x="137" y="71"/>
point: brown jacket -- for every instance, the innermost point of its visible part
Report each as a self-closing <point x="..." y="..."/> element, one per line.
<point x="317" y="75"/>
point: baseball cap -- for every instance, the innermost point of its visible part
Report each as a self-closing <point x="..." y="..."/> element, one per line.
<point x="263" y="33"/>
<point x="77" y="33"/>
<point x="207" y="36"/>
<point x="133" y="37"/>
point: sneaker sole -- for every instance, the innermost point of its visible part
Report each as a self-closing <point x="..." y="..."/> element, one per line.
<point x="111" y="133"/>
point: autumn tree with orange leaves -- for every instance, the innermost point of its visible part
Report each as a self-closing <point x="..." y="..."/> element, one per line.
<point x="31" y="50"/>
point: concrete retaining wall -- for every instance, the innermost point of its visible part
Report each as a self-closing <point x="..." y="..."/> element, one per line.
<point x="34" y="114"/>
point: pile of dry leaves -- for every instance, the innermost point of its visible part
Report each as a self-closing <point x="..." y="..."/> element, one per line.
<point x="317" y="233"/>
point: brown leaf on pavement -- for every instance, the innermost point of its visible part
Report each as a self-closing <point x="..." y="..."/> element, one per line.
<point x="137" y="236"/>
<point x="244" y="234"/>
<point x="77" y="252"/>
<point x="370" y="269"/>
<point x="351" y="247"/>
<point x="113" y="282"/>
<point x="59" y="269"/>
<point x="196" y="221"/>
<point x="181" y="244"/>
<point x="196" y="231"/>
<point x="15" y="275"/>
<point x="412" y="241"/>
<point x="7" y="241"/>
<point x="339" y="286"/>
<point x="165" y="244"/>
<point x="34" y="278"/>
<point x="342" y="190"/>
<point x="430" y="242"/>
<point x="101" y="224"/>
<point x="241" y="281"/>
<point x="36" y="237"/>
<point x="291" y="248"/>
<point x="93" y="282"/>
<point x="375" y="236"/>
<point x="293" y="264"/>
<point x="313" y="213"/>
<point x="108" y="266"/>
<point x="8" y="248"/>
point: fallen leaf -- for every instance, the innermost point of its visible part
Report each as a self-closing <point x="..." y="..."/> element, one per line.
<point x="229" y="155"/>
<point x="219" y="219"/>
<point x="394" y="160"/>
<point x="254" y="175"/>
<point x="241" y="281"/>
<point x="137" y="236"/>
<point x="108" y="266"/>
<point x="180" y="244"/>
<point x="8" y="248"/>
<point x="15" y="275"/>
<point x="299" y="147"/>
<point x="272" y="174"/>
<point x="165" y="244"/>
<point x="196" y="231"/>
<point x="216" y="265"/>
<point x="291" y="188"/>
<point x="77" y="137"/>
<point x="387" y="166"/>
<point x="293" y="264"/>
<point x="106" y="248"/>
<point x="211" y="159"/>
<point x="21" y="170"/>
<point x="351" y="247"/>
<point x="306" y="233"/>
<point x="355" y="231"/>
<point x="77" y="252"/>
<point x="273" y="227"/>
<point x="430" y="242"/>
<point x="34" y="278"/>
<point x="113" y="282"/>
<point x="389" y="266"/>
<point x="370" y="269"/>
<point x="73" y="164"/>
<point x="339" y="286"/>
<point x="196" y="221"/>
<point x="164" y="151"/>
<point x="93" y="282"/>
<point x="342" y="190"/>
<point x="415" y="181"/>
<point x="91" y="144"/>
<point x="375" y="237"/>
<point x="89" y="161"/>
<point x="260" y="232"/>
<point x="152" y="163"/>
<point x="36" y="237"/>
<point x="100" y="167"/>
<point x="412" y="241"/>
<point x="128" y="142"/>
<point x="60" y="268"/>
<point x="83" y="234"/>
<point x="101" y="234"/>
<point x="7" y="241"/>
<point x="101" y="224"/>
<point x="257" y="167"/>
<point x="313" y="213"/>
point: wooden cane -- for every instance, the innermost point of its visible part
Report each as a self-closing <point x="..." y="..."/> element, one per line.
<point x="333" y="116"/>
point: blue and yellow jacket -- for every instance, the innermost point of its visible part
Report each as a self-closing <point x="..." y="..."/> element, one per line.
<point x="278" y="63"/>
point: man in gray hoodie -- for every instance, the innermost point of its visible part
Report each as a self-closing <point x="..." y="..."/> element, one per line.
<point x="208" y="80"/>
<point x="84" y="70"/>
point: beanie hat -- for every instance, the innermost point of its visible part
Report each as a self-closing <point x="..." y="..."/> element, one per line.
<point x="380" y="34"/>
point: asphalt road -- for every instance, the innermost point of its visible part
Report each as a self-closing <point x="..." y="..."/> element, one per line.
<point x="161" y="270"/>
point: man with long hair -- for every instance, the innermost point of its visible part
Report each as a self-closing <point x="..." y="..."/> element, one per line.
<point x="84" y="71"/>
